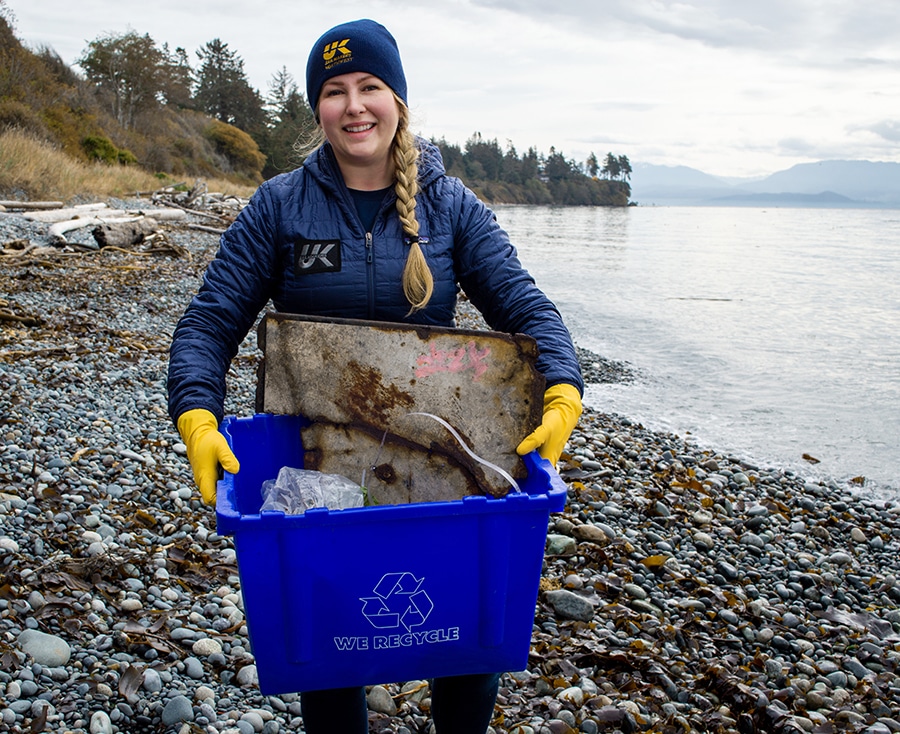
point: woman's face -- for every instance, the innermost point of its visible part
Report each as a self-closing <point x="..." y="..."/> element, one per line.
<point x="359" y="115"/>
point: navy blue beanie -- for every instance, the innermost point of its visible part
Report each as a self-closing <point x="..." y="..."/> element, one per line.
<point x="361" y="45"/>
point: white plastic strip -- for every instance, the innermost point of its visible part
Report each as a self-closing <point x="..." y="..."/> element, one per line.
<point x="469" y="451"/>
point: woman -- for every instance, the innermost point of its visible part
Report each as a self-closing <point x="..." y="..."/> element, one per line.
<point x="370" y="227"/>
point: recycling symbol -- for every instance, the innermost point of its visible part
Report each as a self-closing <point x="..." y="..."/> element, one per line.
<point x="399" y="600"/>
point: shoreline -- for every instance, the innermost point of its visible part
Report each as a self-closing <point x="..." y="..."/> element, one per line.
<point x="683" y="589"/>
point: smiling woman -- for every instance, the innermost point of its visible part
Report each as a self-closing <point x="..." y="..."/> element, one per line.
<point x="403" y="239"/>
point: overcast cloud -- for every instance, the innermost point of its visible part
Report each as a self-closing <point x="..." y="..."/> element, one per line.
<point x="731" y="87"/>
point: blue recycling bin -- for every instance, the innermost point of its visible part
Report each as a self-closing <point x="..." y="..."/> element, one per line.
<point x="381" y="594"/>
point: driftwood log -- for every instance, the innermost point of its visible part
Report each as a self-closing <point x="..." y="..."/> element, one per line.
<point x="30" y="204"/>
<point x="100" y="211"/>
<point x="50" y="216"/>
<point x="204" y="228"/>
<point x="58" y="230"/>
<point x="124" y="233"/>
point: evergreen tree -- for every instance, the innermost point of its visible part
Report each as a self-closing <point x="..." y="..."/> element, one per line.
<point x="531" y="166"/>
<point x="558" y="168"/>
<point x="611" y="167"/>
<point x="624" y="167"/>
<point x="177" y="77"/>
<point x="453" y="158"/>
<point x="282" y="90"/>
<point x="223" y="91"/>
<point x="484" y="157"/>
<point x="511" y="166"/>
<point x="592" y="165"/>
<point x="289" y="118"/>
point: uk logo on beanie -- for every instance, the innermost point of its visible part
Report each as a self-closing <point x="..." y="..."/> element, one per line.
<point x="337" y="53"/>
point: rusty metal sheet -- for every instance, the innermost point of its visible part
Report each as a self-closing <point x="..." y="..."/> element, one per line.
<point x="358" y="381"/>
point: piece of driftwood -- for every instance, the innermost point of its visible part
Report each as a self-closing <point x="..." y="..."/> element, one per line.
<point x="31" y="205"/>
<point x="204" y="228"/>
<point x="73" y="212"/>
<point x="198" y="213"/>
<point x="197" y="191"/>
<point x="16" y="250"/>
<point x="12" y="246"/>
<point x="164" y="215"/>
<point x="158" y="244"/>
<point x="117" y="233"/>
<point x="365" y="384"/>
<point x="58" y="230"/>
<point x="101" y="211"/>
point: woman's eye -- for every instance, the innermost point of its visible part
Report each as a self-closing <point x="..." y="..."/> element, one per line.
<point x="333" y="92"/>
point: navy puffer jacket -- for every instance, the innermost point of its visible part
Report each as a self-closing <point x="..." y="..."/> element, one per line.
<point x="300" y="243"/>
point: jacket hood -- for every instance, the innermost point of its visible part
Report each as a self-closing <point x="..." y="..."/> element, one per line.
<point x="431" y="163"/>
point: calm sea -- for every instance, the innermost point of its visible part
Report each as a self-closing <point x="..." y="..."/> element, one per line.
<point x="766" y="333"/>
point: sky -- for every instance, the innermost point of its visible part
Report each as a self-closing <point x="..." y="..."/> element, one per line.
<point x="730" y="87"/>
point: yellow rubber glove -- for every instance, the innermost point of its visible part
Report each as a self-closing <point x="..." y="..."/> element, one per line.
<point x="206" y="449"/>
<point x="562" y="407"/>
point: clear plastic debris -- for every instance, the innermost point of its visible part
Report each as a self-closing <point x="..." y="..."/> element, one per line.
<point x="295" y="491"/>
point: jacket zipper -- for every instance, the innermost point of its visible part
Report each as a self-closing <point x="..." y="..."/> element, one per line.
<point x="370" y="275"/>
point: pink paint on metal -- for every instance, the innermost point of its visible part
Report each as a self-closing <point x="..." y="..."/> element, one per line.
<point x="455" y="361"/>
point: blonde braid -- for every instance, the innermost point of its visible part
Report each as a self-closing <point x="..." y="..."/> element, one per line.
<point x="418" y="282"/>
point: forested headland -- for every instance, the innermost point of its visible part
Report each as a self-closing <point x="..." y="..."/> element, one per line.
<point x="135" y="103"/>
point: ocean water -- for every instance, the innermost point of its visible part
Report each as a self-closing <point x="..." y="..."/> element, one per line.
<point x="768" y="333"/>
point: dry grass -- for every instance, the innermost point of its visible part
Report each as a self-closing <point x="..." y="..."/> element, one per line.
<point x="36" y="170"/>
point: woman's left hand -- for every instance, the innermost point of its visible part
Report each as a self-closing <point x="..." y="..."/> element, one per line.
<point x="562" y="408"/>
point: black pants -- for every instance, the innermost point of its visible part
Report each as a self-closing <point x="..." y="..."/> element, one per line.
<point x="459" y="705"/>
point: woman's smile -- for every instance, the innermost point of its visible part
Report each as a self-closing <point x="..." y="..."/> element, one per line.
<point x="359" y="128"/>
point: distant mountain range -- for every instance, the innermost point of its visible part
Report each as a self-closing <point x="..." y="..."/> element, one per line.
<point x="826" y="183"/>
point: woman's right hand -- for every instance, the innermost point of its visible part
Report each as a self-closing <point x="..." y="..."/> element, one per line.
<point x="206" y="450"/>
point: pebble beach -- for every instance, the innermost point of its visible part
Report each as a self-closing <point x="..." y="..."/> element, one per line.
<point x="683" y="589"/>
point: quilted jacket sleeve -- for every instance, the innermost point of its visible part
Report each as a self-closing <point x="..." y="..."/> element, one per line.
<point x="236" y="287"/>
